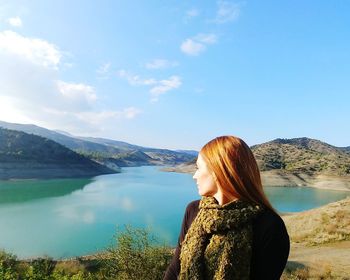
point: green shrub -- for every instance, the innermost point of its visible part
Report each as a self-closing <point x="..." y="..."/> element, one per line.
<point x="41" y="269"/>
<point x="135" y="255"/>
<point x="8" y="265"/>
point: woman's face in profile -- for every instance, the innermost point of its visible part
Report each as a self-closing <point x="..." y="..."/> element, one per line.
<point x="205" y="180"/>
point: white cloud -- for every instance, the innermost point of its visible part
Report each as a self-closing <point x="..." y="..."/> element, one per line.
<point x="35" y="50"/>
<point x="164" y="86"/>
<point x="191" y="47"/>
<point x="206" y="38"/>
<point x="97" y="118"/>
<point x="198" y="44"/>
<point x="15" y="21"/>
<point x="131" y="112"/>
<point x="76" y="91"/>
<point x="32" y="92"/>
<point x="135" y="80"/>
<point x="103" y="70"/>
<point x="227" y="11"/>
<point x="192" y="13"/>
<point x="160" y="64"/>
<point x="158" y="87"/>
<point x="9" y="113"/>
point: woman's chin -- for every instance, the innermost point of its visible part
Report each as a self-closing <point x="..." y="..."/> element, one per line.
<point x="203" y="194"/>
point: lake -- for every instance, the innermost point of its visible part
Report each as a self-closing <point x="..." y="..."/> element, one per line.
<point x="71" y="217"/>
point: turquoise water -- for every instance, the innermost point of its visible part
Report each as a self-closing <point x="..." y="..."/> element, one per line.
<point x="71" y="217"/>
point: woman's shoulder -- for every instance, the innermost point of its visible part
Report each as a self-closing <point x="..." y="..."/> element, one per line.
<point x="191" y="212"/>
<point x="269" y="224"/>
<point x="271" y="246"/>
<point x="193" y="205"/>
<point x="269" y="218"/>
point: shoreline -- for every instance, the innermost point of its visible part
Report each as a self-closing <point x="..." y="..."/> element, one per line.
<point x="100" y="254"/>
<point x="280" y="178"/>
<point x="276" y="178"/>
<point x="271" y="178"/>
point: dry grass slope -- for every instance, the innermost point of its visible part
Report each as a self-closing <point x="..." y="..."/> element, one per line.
<point x="320" y="243"/>
<point x="321" y="225"/>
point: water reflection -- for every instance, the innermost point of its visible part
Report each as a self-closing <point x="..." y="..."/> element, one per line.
<point x="27" y="190"/>
<point x="80" y="216"/>
<point x="296" y="199"/>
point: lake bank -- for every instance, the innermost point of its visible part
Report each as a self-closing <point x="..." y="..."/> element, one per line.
<point x="37" y="170"/>
<point x="278" y="178"/>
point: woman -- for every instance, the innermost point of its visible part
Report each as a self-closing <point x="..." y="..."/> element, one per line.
<point x="232" y="232"/>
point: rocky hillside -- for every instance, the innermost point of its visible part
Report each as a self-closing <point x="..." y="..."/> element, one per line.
<point x="302" y="155"/>
<point x="25" y="155"/>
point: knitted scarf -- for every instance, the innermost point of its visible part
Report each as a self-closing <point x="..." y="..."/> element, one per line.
<point x="218" y="244"/>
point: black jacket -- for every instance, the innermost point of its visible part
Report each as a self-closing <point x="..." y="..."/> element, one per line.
<point x="270" y="247"/>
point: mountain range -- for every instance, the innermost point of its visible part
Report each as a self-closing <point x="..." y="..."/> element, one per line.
<point x="297" y="161"/>
<point x="109" y="152"/>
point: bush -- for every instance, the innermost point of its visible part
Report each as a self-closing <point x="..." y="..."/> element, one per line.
<point x="135" y="255"/>
<point x="8" y="266"/>
<point x="41" y="269"/>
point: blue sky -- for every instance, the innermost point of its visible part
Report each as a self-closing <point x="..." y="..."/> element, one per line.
<point x="175" y="74"/>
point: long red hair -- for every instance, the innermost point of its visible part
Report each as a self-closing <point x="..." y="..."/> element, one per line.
<point x="235" y="169"/>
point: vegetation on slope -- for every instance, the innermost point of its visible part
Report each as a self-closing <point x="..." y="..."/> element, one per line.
<point x="23" y="154"/>
<point x="107" y="151"/>
<point x="320" y="242"/>
<point x="326" y="224"/>
<point x="20" y="146"/>
<point x="302" y="155"/>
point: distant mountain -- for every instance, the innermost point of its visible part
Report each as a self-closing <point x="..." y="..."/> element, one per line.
<point x="24" y="155"/>
<point x="133" y="155"/>
<point x="122" y="146"/>
<point x="190" y="152"/>
<point x="65" y="140"/>
<point x="107" y="151"/>
<point x="63" y="132"/>
<point x="345" y="149"/>
<point x="187" y="167"/>
<point x="305" y="155"/>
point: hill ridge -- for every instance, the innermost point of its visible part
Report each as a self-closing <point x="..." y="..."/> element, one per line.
<point x="24" y="155"/>
<point x="106" y="151"/>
